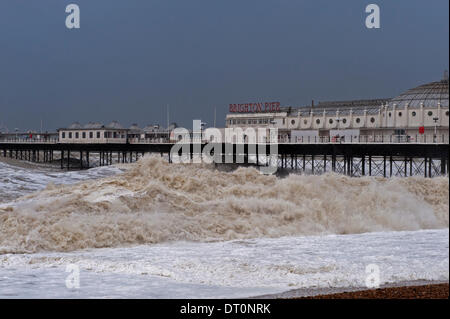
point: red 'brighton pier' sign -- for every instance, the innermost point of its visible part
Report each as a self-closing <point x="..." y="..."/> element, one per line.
<point x="255" y="107"/>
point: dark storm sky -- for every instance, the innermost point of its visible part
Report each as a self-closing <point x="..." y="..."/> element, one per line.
<point x="133" y="57"/>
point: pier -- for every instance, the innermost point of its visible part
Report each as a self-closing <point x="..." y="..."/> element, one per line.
<point x="352" y="159"/>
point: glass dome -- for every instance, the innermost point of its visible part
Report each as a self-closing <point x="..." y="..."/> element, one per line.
<point x="429" y="94"/>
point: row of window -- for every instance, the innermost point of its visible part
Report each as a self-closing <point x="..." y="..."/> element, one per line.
<point x="91" y="135"/>
<point x="331" y="121"/>
<point x="266" y="121"/>
<point x="248" y="121"/>
<point x="413" y="113"/>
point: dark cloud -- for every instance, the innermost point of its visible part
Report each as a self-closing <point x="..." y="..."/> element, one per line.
<point x="131" y="58"/>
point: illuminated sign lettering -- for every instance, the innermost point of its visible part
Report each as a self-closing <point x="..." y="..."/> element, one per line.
<point x="255" y="107"/>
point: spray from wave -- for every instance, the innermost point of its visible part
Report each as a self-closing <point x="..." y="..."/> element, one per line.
<point x="154" y="201"/>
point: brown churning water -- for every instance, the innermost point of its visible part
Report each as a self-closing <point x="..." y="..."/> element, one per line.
<point x="153" y="201"/>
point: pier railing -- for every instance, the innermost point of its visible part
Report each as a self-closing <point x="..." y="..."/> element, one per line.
<point x="366" y="139"/>
<point x="29" y="140"/>
<point x="359" y="139"/>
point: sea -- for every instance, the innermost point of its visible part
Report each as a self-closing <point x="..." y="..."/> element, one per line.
<point x="151" y="229"/>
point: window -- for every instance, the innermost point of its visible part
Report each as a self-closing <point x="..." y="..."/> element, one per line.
<point x="399" y="114"/>
<point x="98" y="134"/>
<point x="293" y="122"/>
<point x="91" y="134"/>
<point x="77" y="135"/>
<point x="390" y="114"/>
<point x="446" y="113"/>
<point x="70" y="134"/>
<point x="318" y="121"/>
<point x="330" y="121"/>
<point x="83" y="134"/>
<point x="413" y="113"/>
<point x="105" y="134"/>
<point x="344" y="121"/>
<point x="305" y="122"/>
<point x="63" y="135"/>
<point x="430" y="113"/>
<point x="358" y="120"/>
<point x="372" y="120"/>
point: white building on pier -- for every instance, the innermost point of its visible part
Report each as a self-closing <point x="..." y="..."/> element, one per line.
<point x="420" y="111"/>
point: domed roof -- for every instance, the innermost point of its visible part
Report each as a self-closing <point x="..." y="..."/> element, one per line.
<point x="75" y="125"/>
<point x="429" y="94"/>
<point x="93" y="125"/>
<point x="115" y="125"/>
<point x="151" y="128"/>
<point x="135" y="128"/>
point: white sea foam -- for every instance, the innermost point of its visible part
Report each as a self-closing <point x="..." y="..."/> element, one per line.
<point x="238" y="268"/>
<point x="17" y="181"/>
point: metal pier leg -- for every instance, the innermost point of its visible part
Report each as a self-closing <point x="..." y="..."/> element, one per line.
<point x="429" y="167"/>
<point x="351" y="166"/>
<point x="443" y="165"/>
<point x="425" y="166"/>
<point x="62" y="159"/>
<point x="406" y="167"/>
<point x="370" y="165"/>
<point x="410" y="166"/>
<point x="333" y="163"/>
<point x="363" y="168"/>
<point x="390" y="166"/>
<point x="384" y="166"/>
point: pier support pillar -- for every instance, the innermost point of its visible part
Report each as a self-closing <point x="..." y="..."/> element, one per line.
<point x="443" y="165"/>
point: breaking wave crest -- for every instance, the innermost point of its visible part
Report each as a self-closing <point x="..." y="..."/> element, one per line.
<point x="154" y="201"/>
